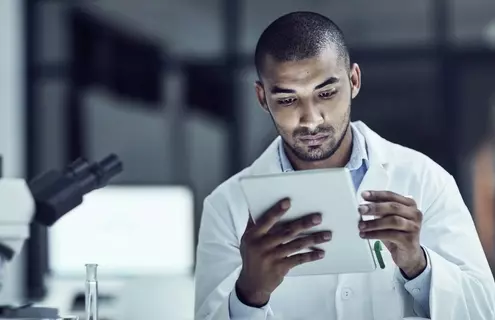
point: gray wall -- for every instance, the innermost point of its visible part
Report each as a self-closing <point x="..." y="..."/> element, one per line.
<point x="470" y="19"/>
<point x="384" y="22"/>
<point x="11" y="121"/>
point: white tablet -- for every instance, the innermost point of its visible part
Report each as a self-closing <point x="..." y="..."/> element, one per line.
<point x="327" y="191"/>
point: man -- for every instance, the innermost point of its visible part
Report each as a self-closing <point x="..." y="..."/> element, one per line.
<point x="435" y="266"/>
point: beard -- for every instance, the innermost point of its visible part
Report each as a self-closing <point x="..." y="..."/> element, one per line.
<point x="320" y="152"/>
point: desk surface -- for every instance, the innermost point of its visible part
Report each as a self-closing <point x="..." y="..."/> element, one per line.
<point x="152" y="297"/>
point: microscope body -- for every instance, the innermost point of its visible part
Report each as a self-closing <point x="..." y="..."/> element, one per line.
<point x="47" y="198"/>
<point x="17" y="208"/>
<point x="44" y="200"/>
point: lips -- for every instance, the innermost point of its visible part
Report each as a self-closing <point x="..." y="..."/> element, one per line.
<point x="315" y="136"/>
<point x="314" y="140"/>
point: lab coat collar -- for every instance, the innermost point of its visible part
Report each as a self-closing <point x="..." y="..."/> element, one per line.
<point x="377" y="177"/>
<point x="377" y="146"/>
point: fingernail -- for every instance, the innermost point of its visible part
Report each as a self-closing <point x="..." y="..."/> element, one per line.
<point x="363" y="209"/>
<point x="321" y="254"/>
<point x="326" y="236"/>
<point x="361" y="234"/>
<point x="316" y="219"/>
<point x="285" y="204"/>
<point x="366" y="194"/>
<point x="362" y="225"/>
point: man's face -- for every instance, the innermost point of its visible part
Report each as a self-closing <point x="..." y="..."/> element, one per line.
<point x="309" y="102"/>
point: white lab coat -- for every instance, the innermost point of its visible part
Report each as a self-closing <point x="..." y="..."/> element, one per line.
<point x="462" y="286"/>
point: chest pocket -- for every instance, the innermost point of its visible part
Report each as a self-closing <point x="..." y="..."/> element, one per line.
<point x="389" y="298"/>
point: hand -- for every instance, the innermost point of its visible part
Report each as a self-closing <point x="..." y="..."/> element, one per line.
<point x="265" y="250"/>
<point x="398" y="225"/>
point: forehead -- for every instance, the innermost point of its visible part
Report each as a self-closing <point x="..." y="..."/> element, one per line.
<point x="303" y="72"/>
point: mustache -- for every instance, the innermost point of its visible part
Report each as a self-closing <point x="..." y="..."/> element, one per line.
<point x="318" y="130"/>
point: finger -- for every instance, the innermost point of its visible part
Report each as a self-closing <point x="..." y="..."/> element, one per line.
<point x="271" y="217"/>
<point x="301" y="243"/>
<point x="385" y="235"/>
<point x="384" y="196"/>
<point x="296" y="226"/>
<point x="392" y="222"/>
<point x="388" y="208"/>
<point x="287" y="231"/>
<point x="301" y="258"/>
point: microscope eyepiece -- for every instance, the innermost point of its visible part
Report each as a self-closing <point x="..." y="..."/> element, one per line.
<point x="108" y="168"/>
<point x="57" y="193"/>
<point x="77" y="168"/>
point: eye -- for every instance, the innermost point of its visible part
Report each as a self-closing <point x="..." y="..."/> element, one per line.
<point x="287" y="101"/>
<point x="327" y="94"/>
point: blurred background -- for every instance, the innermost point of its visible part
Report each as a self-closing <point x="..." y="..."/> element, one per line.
<point x="168" y="86"/>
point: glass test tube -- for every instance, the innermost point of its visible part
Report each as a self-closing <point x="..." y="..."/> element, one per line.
<point x="91" y="292"/>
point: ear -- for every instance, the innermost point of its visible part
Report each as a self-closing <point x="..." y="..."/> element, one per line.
<point x="260" y="94"/>
<point x="355" y="80"/>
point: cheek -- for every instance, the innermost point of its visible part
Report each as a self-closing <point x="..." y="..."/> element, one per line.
<point x="286" y="120"/>
<point x="337" y="108"/>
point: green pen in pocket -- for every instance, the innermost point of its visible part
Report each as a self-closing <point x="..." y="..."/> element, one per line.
<point x="378" y="252"/>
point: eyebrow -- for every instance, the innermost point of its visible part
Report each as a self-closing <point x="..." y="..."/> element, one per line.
<point x="277" y="89"/>
<point x="325" y="83"/>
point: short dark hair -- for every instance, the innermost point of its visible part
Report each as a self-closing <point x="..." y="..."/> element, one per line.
<point x="297" y="36"/>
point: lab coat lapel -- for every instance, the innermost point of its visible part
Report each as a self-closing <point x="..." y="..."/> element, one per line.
<point x="268" y="162"/>
<point x="376" y="178"/>
<point x="388" y="296"/>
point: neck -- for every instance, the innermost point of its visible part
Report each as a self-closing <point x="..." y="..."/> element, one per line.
<point x="338" y="160"/>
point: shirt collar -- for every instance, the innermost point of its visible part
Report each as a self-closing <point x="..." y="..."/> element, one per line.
<point x="359" y="155"/>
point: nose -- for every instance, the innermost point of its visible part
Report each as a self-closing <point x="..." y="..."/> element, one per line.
<point x="311" y="117"/>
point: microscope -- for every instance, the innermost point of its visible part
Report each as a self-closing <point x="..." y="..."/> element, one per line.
<point x="44" y="200"/>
